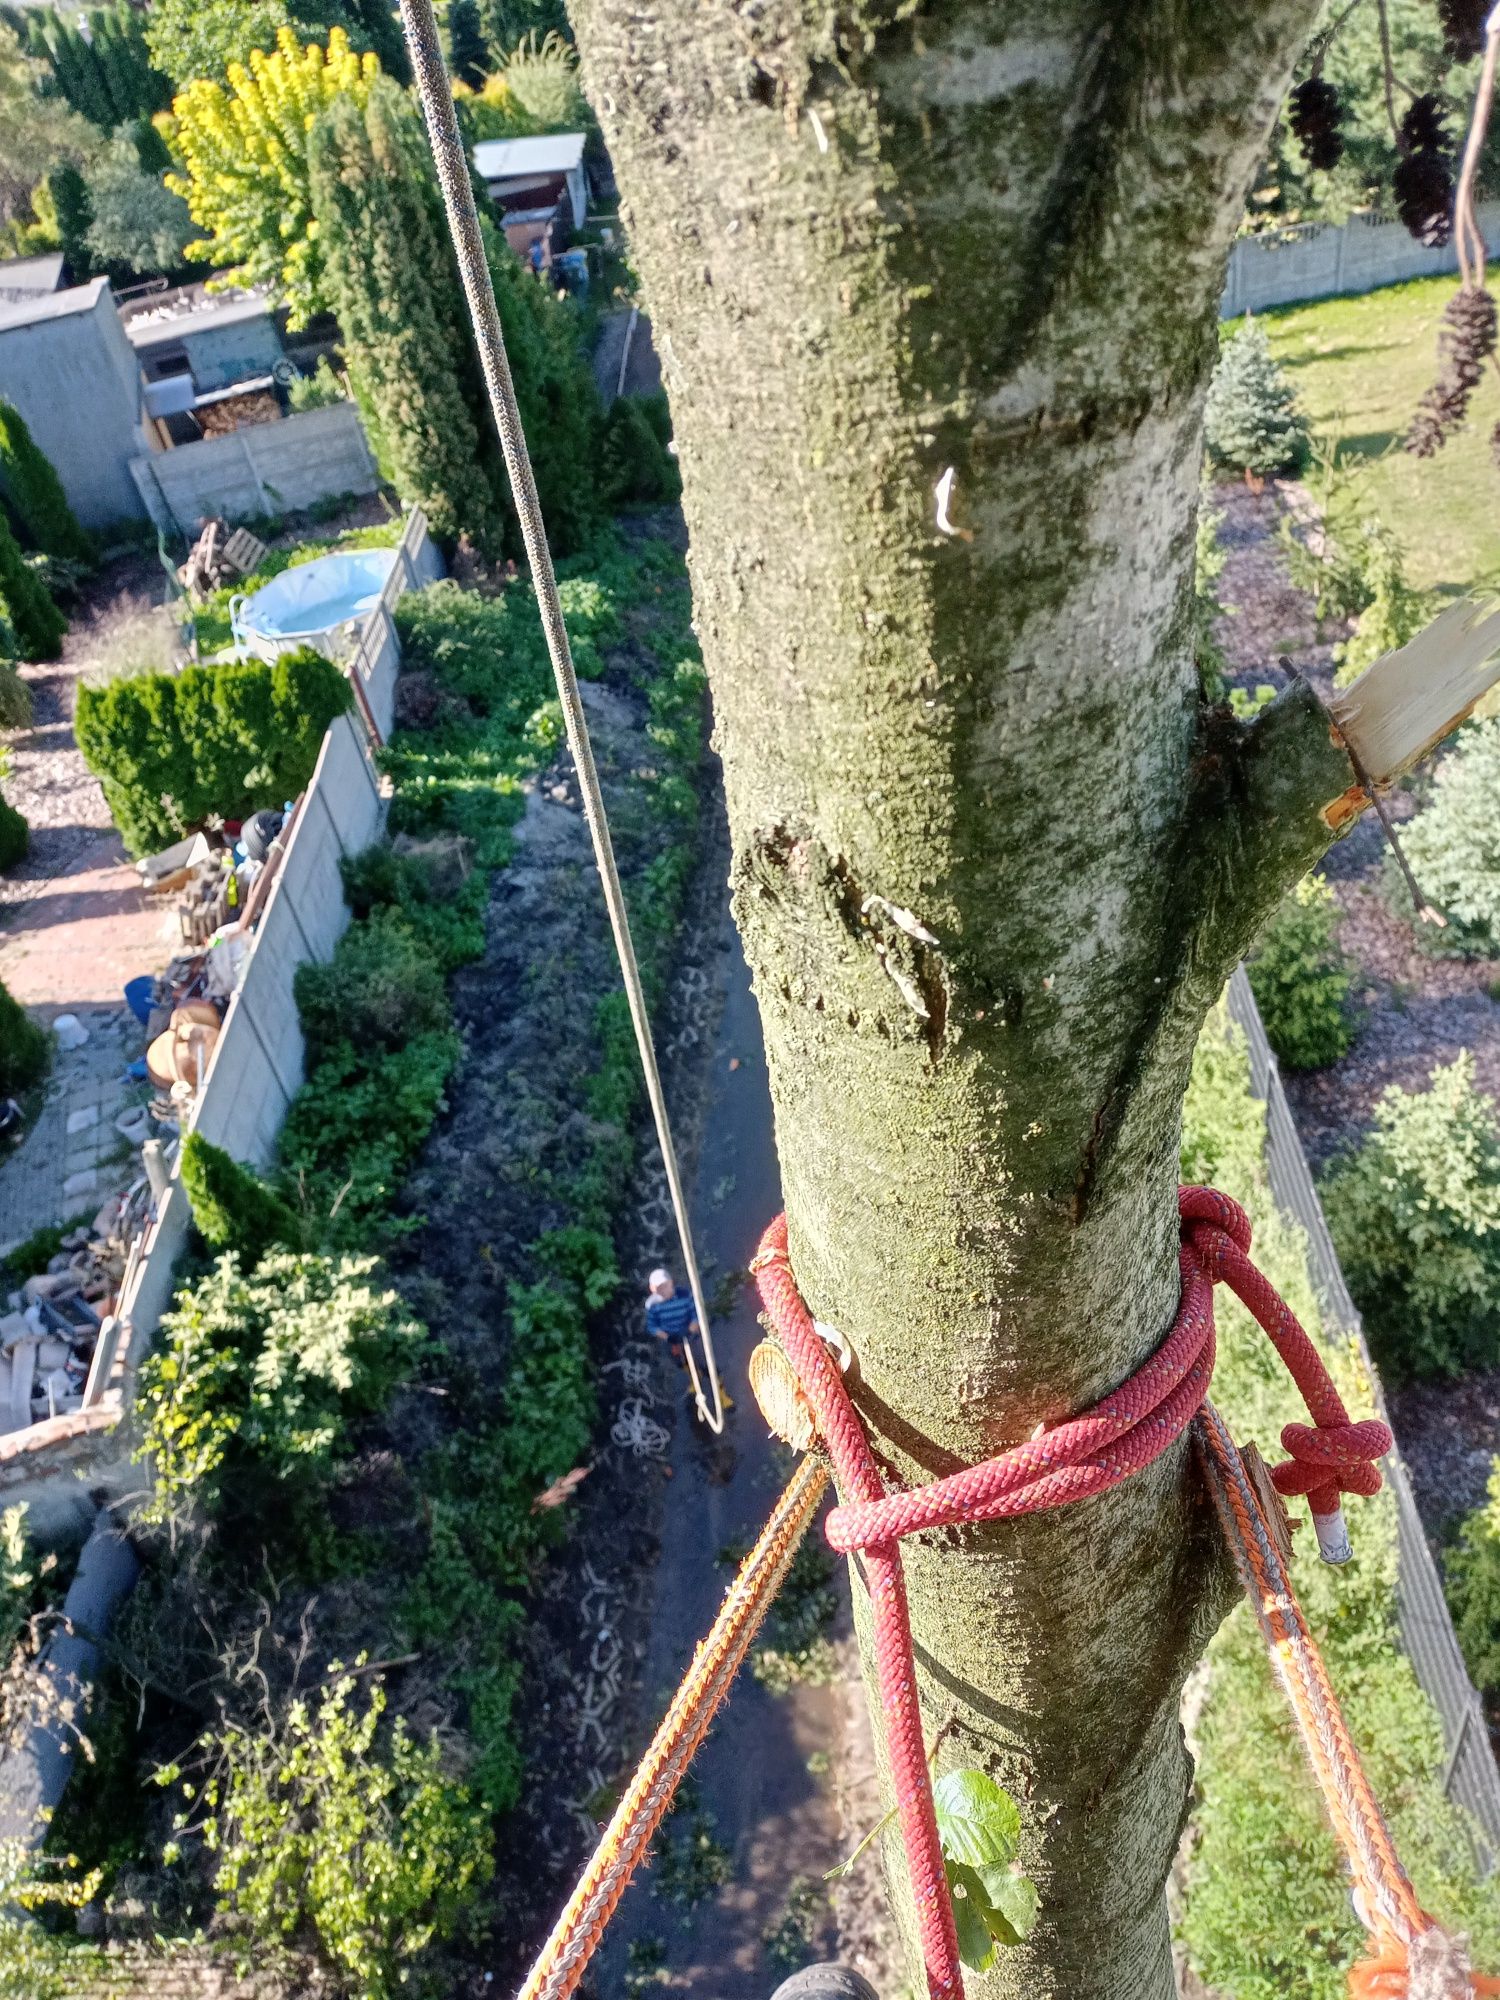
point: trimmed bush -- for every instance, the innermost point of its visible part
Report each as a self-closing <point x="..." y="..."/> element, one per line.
<point x="15" y="835"/>
<point x="173" y="750"/>
<point x="1415" y="1214"/>
<point x="1301" y="981"/>
<point x="34" y="495"/>
<point x="1251" y="422"/>
<point x="233" y="1207"/>
<point x="634" y="463"/>
<point x="1453" y="845"/>
<point x="1473" y="1577"/>
<point x="378" y="991"/>
<point x="25" y="1050"/>
<point x="26" y="605"/>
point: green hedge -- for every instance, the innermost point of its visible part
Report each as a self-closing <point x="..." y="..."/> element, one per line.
<point x="1266" y="1913"/>
<point x="30" y="623"/>
<point x="1415" y="1213"/>
<point x="1301" y="979"/>
<point x="25" y="1050"/>
<point x="1473" y="1578"/>
<point x="171" y="750"/>
<point x="33" y="493"/>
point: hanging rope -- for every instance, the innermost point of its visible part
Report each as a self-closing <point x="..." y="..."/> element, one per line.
<point x="468" y="245"/>
<point x="623" y="1845"/>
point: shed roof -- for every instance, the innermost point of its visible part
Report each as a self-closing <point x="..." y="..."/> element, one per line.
<point x="30" y="277"/>
<point x="51" y="305"/>
<point x="170" y="316"/>
<point x="554" y="153"/>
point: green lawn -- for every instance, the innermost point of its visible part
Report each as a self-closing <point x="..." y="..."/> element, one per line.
<point x="1360" y="367"/>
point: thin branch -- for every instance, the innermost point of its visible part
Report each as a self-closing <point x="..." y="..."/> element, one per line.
<point x="1388" y="76"/>
<point x="1466" y="230"/>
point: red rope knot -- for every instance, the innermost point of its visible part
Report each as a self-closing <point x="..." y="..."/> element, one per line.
<point x="1330" y="1456"/>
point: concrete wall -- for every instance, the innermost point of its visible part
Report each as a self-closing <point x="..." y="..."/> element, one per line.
<point x="74" y="377"/>
<point x="1318" y="260"/>
<point x="263" y="469"/>
<point x="257" y="1066"/>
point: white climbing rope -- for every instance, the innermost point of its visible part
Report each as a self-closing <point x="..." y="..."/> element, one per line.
<point x="463" y="228"/>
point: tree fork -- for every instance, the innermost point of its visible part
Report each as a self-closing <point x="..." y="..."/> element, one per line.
<point x="935" y="290"/>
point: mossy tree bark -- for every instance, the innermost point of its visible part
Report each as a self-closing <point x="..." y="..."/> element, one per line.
<point x="935" y="289"/>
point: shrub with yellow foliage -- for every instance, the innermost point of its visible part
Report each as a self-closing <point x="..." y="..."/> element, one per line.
<point x="243" y="144"/>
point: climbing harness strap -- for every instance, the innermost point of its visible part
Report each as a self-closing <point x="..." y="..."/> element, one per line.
<point x="468" y="245"/>
<point x="623" y="1845"/>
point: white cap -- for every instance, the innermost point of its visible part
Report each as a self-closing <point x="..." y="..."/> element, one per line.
<point x="660" y="1281"/>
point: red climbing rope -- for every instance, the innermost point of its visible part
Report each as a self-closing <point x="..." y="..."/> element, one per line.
<point x="1073" y="1460"/>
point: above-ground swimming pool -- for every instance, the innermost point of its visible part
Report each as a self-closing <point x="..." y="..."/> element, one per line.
<point x="303" y="603"/>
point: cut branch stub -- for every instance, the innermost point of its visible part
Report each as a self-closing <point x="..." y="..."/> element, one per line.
<point x="1406" y="703"/>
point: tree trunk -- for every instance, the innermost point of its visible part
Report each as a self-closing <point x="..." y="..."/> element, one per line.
<point x="935" y="290"/>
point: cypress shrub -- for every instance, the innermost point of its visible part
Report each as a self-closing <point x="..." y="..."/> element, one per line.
<point x="393" y="282"/>
<point x="173" y="749"/>
<point x="233" y="1207"/>
<point x="26" y="604"/>
<point x="24" y="1048"/>
<point x="635" y="464"/>
<point x="15" y="835"/>
<point x="1454" y="843"/>
<point x="34" y="493"/>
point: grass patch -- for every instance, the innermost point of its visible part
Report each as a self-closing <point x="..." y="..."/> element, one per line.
<point x="1360" y="367"/>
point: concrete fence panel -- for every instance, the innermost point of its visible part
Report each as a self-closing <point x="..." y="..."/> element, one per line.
<point x="1470" y="1776"/>
<point x="276" y="468"/>
<point x="258" y="1062"/>
<point x="1320" y="260"/>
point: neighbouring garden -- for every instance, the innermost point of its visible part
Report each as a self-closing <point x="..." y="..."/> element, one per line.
<point x="1385" y="1019"/>
<point x="352" y="1425"/>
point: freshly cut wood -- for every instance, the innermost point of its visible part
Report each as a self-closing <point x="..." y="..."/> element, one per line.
<point x="1406" y="703"/>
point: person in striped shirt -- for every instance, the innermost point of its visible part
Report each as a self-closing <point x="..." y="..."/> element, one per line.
<point x="669" y="1314"/>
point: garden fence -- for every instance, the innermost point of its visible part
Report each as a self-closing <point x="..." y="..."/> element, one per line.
<point x="1322" y="260"/>
<point x="1470" y="1776"/>
<point x="259" y="470"/>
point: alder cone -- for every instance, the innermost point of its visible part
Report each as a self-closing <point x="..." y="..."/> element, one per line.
<point x="1424" y="128"/>
<point x="1313" y="111"/>
<point x="1466" y="339"/>
<point x="1463" y="26"/>
<point x="1423" y="188"/>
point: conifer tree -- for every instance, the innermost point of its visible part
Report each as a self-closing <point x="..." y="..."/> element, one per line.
<point x="466" y="50"/>
<point x="33" y="492"/>
<point x="26" y="603"/>
<point x="1251" y="421"/>
<point x="389" y="275"/>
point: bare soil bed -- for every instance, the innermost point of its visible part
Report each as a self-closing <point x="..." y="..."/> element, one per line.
<point x="1414" y="1010"/>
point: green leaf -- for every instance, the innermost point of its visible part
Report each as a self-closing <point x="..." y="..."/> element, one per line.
<point x="976" y="1946"/>
<point x="1013" y="1903"/>
<point x="978" y="1822"/>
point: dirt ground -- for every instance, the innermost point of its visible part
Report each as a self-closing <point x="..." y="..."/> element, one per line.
<point x="1414" y="1010"/>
